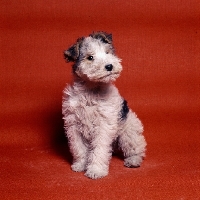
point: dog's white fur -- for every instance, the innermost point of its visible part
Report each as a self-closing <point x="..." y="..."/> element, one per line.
<point x="93" y="108"/>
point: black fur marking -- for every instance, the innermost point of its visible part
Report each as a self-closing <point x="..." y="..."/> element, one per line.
<point x="103" y="36"/>
<point x="124" y="110"/>
<point x="72" y="54"/>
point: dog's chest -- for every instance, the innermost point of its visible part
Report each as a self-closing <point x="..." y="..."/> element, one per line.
<point x="95" y="109"/>
<point x="93" y="105"/>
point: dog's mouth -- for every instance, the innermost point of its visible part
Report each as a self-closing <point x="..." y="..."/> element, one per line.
<point x="110" y="74"/>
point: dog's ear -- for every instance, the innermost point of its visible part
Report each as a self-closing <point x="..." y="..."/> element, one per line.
<point x="72" y="54"/>
<point x="103" y="36"/>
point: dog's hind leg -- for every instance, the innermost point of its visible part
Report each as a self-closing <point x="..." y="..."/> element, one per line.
<point x="131" y="140"/>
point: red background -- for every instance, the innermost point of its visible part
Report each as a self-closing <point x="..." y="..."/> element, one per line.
<point x="159" y="43"/>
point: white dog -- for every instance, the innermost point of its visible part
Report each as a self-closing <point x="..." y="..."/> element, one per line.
<point x="95" y="115"/>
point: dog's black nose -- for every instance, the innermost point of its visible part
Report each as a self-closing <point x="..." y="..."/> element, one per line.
<point x="109" y="67"/>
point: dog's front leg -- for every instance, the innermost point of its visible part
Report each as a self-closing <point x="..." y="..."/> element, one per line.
<point x="99" y="156"/>
<point x="77" y="148"/>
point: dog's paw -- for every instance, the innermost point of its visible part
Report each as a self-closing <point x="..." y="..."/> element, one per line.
<point x="133" y="161"/>
<point x="78" y="166"/>
<point x="96" y="173"/>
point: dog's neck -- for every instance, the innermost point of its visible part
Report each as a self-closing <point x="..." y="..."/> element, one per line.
<point x="95" y="87"/>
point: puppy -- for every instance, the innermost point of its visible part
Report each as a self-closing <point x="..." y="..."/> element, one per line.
<point x="95" y="115"/>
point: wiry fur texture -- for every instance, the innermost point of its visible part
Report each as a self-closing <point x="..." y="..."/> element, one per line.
<point x="95" y="115"/>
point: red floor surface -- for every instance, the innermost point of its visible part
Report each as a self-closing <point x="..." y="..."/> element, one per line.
<point x="159" y="43"/>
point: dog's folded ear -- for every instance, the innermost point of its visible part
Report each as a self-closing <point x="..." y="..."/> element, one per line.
<point x="103" y="36"/>
<point x="72" y="54"/>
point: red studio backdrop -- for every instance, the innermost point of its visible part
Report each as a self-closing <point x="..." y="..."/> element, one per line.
<point x="159" y="43"/>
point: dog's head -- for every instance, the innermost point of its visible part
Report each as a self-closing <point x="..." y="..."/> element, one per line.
<point x="94" y="58"/>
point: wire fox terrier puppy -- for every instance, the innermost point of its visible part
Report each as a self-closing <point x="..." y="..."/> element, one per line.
<point x="95" y="115"/>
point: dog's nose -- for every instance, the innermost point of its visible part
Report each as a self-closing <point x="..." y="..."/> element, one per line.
<point x="109" y="67"/>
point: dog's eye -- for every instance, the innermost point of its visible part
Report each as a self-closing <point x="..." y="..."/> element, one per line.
<point x="90" y="57"/>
